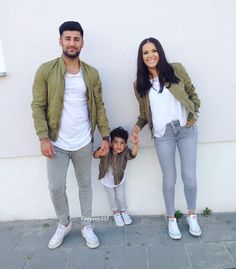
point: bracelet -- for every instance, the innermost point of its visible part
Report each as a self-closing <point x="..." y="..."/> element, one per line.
<point x="196" y="115"/>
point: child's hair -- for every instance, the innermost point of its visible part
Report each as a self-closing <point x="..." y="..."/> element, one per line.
<point x="119" y="132"/>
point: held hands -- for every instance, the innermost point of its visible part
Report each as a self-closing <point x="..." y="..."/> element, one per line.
<point x="134" y="135"/>
<point x="47" y="148"/>
<point x="104" y="148"/>
<point x="134" y="139"/>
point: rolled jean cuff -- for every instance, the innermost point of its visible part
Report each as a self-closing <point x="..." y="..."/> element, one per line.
<point x="65" y="222"/>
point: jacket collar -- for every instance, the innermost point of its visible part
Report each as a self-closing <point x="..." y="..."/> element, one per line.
<point x="63" y="66"/>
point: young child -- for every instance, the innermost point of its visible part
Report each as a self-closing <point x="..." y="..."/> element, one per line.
<point x="111" y="173"/>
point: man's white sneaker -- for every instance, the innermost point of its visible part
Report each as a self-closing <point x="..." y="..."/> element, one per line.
<point x="126" y="218"/>
<point x="59" y="235"/>
<point x="194" y="227"/>
<point x="118" y="220"/>
<point x="90" y="237"/>
<point x="173" y="229"/>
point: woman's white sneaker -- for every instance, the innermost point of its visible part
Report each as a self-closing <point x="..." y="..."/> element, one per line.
<point x="194" y="227"/>
<point x="126" y="218"/>
<point x="59" y="235"/>
<point x="118" y="220"/>
<point x="89" y="236"/>
<point x="173" y="229"/>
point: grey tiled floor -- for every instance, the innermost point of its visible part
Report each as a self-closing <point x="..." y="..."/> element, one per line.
<point x="143" y="245"/>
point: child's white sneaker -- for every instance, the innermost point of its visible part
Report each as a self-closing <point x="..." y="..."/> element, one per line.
<point x="126" y="218"/>
<point x="118" y="220"/>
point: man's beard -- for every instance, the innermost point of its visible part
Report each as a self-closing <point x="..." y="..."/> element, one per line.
<point x="71" y="56"/>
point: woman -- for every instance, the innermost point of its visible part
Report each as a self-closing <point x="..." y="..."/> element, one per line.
<point x="169" y="104"/>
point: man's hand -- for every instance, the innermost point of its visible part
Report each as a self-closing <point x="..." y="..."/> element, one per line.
<point x="47" y="148"/>
<point x="104" y="148"/>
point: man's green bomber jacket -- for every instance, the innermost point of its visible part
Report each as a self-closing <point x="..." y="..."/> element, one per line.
<point x="48" y="96"/>
<point x="184" y="91"/>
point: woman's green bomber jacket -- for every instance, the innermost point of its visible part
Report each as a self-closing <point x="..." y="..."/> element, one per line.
<point x="184" y="91"/>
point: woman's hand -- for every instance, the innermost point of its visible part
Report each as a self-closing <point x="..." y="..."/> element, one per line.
<point x="190" y="122"/>
<point x="134" y="138"/>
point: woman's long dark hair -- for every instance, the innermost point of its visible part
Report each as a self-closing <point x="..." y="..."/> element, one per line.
<point x="165" y="70"/>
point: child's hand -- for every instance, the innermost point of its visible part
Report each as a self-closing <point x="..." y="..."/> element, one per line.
<point x="99" y="152"/>
<point x="104" y="148"/>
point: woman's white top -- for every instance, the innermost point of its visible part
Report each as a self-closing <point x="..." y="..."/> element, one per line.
<point x="108" y="179"/>
<point x="75" y="127"/>
<point x="164" y="108"/>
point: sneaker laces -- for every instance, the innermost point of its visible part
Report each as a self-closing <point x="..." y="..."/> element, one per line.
<point x="193" y="222"/>
<point x="88" y="231"/>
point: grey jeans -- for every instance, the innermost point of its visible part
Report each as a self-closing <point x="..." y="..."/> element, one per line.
<point x="116" y="197"/>
<point x="57" y="171"/>
<point x="185" y="139"/>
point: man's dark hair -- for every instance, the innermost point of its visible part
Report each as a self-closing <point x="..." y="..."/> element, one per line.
<point x="71" y="26"/>
<point x="119" y="132"/>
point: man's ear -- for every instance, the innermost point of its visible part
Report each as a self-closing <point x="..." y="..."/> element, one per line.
<point x="60" y="41"/>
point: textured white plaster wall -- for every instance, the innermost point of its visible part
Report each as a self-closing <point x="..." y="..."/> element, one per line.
<point x="200" y="34"/>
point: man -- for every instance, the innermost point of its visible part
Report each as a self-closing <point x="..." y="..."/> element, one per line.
<point x="67" y="105"/>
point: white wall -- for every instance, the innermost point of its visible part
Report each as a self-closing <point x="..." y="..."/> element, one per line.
<point x="200" y="34"/>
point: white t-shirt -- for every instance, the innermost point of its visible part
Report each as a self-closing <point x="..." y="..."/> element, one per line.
<point x="75" y="127"/>
<point x="165" y="108"/>
<point x="108" y="179"/>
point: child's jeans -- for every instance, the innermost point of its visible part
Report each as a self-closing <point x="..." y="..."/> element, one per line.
<point x="116" y="197"/>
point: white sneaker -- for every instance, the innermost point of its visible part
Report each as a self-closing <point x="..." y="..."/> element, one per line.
<point x="173" y="229"/>
<point x="59" y="235"/>
<point x="118" y="220"/>
<point x="126" y="218"/>
<point x="194" y="227"/>
<point x="90" y="237"/>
